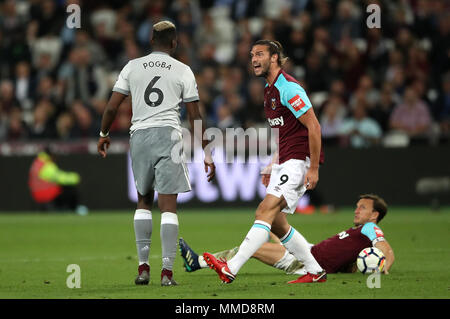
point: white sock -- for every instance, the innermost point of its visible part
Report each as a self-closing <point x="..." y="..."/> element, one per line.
<point x="285" y="261"/>
<point x="256" y="237"/>
<point x="297" y="245"/>
<point x="290" y="265"/>
<point x="143" y="232"/>
<point x="202" y="262"/>
<point x="169" y="238"/>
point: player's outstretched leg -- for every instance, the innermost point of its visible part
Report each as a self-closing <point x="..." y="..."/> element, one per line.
<point x="190" y="258"/>
<point x="192" y="261"/>
<point x="220" y="266"/>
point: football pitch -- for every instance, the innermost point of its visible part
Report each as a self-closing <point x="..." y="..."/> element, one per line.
<point x="36" y="249"/>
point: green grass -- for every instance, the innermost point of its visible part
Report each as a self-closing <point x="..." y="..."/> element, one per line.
<point x="35" y="250"/>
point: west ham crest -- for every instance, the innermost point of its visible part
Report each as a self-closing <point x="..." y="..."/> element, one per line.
<point x="274" y="106"/>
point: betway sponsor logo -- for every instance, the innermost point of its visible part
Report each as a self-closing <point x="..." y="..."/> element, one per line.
<point x="276" y="121"/>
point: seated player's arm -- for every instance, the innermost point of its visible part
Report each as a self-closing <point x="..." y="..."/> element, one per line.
<point x="388" y="253"/>
<point x="108" y="118"/>
<point x="309" y="120"/>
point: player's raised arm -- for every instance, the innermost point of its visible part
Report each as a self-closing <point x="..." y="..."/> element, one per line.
<point x="108" y="118"/>
<point x="194" y="115"/>
<point x="388" y="253"/>
<point x="309" y="120"/>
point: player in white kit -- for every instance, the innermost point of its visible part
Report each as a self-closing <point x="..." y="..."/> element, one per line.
<point x="157" y="84"/>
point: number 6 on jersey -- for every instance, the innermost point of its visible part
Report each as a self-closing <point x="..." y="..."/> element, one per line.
<point x="150" y="89"/>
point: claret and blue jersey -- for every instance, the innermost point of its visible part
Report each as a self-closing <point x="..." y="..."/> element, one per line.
<point x="284" y="102"/>
<point x="342" y="249"/>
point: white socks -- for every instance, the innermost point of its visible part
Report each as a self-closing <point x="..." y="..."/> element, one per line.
<point x="169" y="239"/>
<point x="258" y="235"/>
<point x="297" y="245"/>
<point x="143" y="231"/>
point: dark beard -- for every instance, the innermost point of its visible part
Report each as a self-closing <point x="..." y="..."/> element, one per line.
<point x="263" y="74"/>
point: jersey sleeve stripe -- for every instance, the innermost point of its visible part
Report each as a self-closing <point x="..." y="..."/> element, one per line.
<point x="191" y="99"/>
<point x="122" y="91"/>
<point x="261" y="226"/>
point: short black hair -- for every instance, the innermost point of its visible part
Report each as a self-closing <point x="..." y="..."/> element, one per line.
<point x="164" y="32"/>
<point x="379" y="205"/>
<point x="275" y="47"/>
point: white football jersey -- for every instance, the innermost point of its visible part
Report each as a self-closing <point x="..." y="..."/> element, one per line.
<point x="157" y="83"/>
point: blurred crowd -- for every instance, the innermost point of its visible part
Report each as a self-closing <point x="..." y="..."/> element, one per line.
<point x="369" y="86"/>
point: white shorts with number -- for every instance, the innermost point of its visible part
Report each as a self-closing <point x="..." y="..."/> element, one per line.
<point x="287" y="180"/>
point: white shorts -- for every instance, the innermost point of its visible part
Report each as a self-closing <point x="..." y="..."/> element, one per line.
<point x="287" y="180"/>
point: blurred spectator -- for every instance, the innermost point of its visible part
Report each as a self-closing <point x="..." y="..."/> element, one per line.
<point x="352" y="63"/>
<point x="377" y="53"/>
<point x="361" y="130"/>
<point x="365" y="90"/>
<point x="206" y="34"/>
<point x="13" y="45"/>
<point x="296" y="46"/>
<point x="42" y="127"/>
<point x="440" y="56"/>
<point x="330" y="50"/>
<point x="47" y="89"/>
<point x="441" y="108"/>
<point x="96" y="52"/>
<point x="64" y="126"/>
<point x="225" y="117"/>
<point x="253" y="112"/>
<point x="86" y="125"/>
<point x="24" y="85"/>
<point x="17" y="128"/>
<point x="81" y="79"/>
<point x="315" y="74"/>
<point x="47" y="18"/>
<point x="347" y="22"/>
<point x="244" y="9"/>
<point x="331" y="119"/>
<point x="207" y="86"/>
<point x="384" y="107"/>
<point x="46" y="52"/>
<point x="7" y="97"/>
<point x="412" y="116"/>
<point x="154" y="12"/>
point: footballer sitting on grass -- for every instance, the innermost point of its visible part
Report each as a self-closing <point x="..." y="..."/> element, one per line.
<point x="335" y="254"/>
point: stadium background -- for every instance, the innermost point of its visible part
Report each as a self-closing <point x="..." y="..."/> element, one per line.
<point x="55" y="82"/>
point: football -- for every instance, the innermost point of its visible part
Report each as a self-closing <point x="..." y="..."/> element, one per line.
<point x="370" y="260"/>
